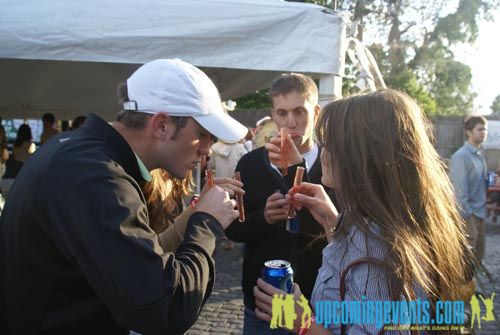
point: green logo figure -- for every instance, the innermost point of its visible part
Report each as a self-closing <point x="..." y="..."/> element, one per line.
<point x="306" y="314"/>
<point x="277" y="310"/>
<point x="488" y="303"/>
<point x="289" y="311"/>
<point x="283" y="309"/>
<point x="476" y="310"/>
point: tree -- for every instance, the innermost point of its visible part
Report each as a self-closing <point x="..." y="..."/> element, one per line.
<point x="257" y="100"/>
<point x="495" y="106"/>
<point x="415" y="43"/>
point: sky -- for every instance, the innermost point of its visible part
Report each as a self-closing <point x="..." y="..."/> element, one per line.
<point x="484" y="59"/>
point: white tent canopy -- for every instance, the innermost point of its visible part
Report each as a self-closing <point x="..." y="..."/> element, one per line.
<point x="67" y="57"/>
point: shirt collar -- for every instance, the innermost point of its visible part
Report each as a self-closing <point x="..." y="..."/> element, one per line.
<point x="142" y="168"/>
<point x="472" y="149"/>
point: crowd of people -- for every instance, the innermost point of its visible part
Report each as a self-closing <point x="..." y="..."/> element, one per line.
<point x="24" y="144"/>
<point x="101" y="232"/>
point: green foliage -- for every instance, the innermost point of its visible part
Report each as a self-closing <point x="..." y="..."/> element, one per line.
<point x="414" y="47"/>
<point x="257" y="100"/>
<point x="406" y="81"/>
<point x="451" y="88"/>
<point x="495" y="106"/>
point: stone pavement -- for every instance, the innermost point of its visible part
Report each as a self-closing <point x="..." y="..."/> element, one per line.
<point x="487" y="286"/>
<point x="223" y="312"/>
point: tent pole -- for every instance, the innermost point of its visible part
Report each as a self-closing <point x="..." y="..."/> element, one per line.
<point x="330" y="88"/>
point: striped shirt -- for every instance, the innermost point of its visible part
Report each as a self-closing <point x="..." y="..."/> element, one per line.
<point x="364" y="280"/>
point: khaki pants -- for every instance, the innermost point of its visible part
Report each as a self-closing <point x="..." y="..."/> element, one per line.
<point x="476" y="232"/>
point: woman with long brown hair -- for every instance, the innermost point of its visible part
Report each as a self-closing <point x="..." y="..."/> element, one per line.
<point x="400" y="235"/>
<point x="164" y="198"/>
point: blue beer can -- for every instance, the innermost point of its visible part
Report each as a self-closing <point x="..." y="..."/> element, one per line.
<point x="492" y="176"/>
<point x="278" y="273"/>
<point x="293" y="225"/>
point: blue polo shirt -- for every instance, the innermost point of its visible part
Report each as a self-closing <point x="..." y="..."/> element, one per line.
<point x="468" y="175"/>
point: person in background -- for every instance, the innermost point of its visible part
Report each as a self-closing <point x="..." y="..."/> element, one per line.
<point x="225" y="156"/>
<point x="23" y="145"/>
<point x="4" y="152"/>
<point x="294" y="100"/>
<point x="77" y="122"/>
<point x="249" y="146"/>
<point x="49" y="127"/>
<point x="400" y="236"/>
<point x="265" y="129"/>
<point x="468" y="173"/>
<point x="75" y="228"/>
<point x="164" y="197"/>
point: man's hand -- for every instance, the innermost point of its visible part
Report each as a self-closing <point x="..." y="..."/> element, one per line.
<point x="216" y="202"/>
<point x="274" y="149"/>
<point x="276" y="208"/>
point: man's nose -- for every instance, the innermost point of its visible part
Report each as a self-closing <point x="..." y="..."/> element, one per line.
<point x="290" y="121"/>
<point x="205" y="148"/>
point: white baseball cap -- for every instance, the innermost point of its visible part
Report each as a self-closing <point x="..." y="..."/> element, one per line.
<point x="177" y="88"/>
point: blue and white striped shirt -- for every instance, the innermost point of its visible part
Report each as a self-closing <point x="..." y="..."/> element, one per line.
<point x="364" y="281"/>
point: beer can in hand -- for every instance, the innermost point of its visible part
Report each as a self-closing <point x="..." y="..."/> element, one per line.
<point x="278" y="273"/>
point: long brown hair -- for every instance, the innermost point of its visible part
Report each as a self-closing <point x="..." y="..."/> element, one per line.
<point x="164" y="197"/>
<point x="387" y="171"/>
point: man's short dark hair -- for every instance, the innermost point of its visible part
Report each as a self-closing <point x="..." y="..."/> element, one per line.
<point x="138" y="120"/>
<point x="49" y="117"/>
<point x="297" y="82"/>
<point x="472" y="121"/>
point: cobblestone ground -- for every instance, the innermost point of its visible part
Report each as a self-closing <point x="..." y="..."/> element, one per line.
<point x="223" y="312"/>
<point x="489" y="286"/>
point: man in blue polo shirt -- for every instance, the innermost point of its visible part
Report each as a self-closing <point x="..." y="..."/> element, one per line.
<point x="468" y="173"/>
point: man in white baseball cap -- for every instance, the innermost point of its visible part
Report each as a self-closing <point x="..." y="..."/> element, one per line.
<point x="77" y="254"/>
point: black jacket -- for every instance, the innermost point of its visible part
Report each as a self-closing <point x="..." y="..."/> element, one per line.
<point x="264" y="241"/>
<point x="77" y="255"/>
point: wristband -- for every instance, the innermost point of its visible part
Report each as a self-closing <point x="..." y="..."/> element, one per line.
<point x="303" y="330"/>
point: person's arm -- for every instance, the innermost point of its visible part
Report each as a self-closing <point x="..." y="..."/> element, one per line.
<point x="171" y="238"/>
<point x="99" y="222"/>
<point x="459" y="179"/>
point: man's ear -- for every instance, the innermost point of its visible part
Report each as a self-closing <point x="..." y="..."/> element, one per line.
<point x="161" y="125"/>
<point x="317" y="110"/>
